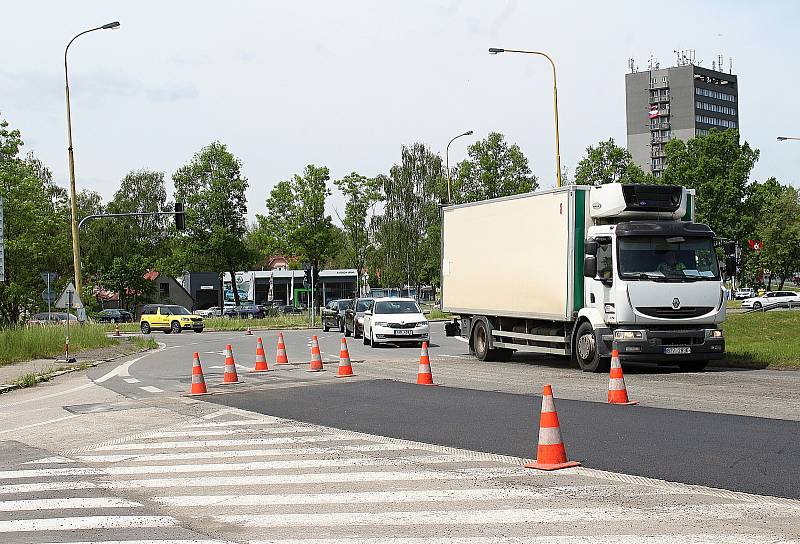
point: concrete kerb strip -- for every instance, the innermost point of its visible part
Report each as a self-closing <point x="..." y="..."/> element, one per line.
<point x="664" y="485"/>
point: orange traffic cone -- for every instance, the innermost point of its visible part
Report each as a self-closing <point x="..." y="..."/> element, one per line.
<point x="280" y="357"/>
<point x="261" y="358"/>
<point x="229" y="375"/>
<point x="424" y="376"/>
<point x="198" y="382"/>
<point x="316" y="358"/>
<point x="249" y="332"/>
<point x="116" y="329"/>
<point x="345" y="369"/>
<point x="617" y="393"/>
<point x="551" y="454"/>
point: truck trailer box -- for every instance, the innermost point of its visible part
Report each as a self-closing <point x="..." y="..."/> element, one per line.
<point x="517" y="256"/>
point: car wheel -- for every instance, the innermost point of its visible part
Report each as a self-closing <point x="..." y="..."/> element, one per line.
<point x="757" y="305"/>
<point x="145" y="326"/>
<point x="325" y="327"/>
<point x="372" y="342"/>
<point x="692" y="366"/>
<point x="198" y="330"/>
<point x="366" y="340"/>
<point x="341" y="326"/>
<point x="480" y="341"/>
<point x="585" y="351"/>
<point x="346" y="330"/>
<point x="175" y="327"/>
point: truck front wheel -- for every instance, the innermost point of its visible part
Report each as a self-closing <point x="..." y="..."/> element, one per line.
<point x="585" y="351"/>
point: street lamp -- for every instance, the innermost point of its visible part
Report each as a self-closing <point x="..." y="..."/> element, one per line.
<point x="496" y="50"/>
<point x="447" y="162"/>
<point x="76" y="250"/>
<point x="783" y="138"/>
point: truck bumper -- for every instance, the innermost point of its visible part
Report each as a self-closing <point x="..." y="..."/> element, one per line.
<point x="657" y="349"/>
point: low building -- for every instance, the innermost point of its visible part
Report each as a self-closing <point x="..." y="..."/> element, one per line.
<point x="203" y="287"/>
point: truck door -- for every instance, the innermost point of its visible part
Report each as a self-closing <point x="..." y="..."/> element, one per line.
<point x="599" y="289"/>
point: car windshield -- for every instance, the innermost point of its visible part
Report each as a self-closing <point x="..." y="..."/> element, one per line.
<point x="364" y="304"/>
<point x="662" y="258"/>
<point x="397" y="307"/>
<point x="178" y="310"/>
<point x="343" y="304"/>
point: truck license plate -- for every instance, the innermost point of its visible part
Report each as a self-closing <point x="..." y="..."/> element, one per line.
<point x="406" y="332"/>
<point x="677" y="350"/>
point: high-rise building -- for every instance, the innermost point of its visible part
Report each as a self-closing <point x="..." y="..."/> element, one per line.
<point x="682" y="101"/>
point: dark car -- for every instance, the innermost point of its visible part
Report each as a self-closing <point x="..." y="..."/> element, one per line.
<point x="333" y="314"/>
<point x="113" y="315"/>
<point x="245" y="311"/>
<point x="354" y="316"/>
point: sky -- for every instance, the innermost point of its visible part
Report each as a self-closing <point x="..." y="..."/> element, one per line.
<point x="345" y="84"/>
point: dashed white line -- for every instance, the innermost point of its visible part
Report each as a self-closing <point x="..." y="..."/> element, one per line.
<point x="151" y="389"/>
<point x="131" y="380"/>
<point x="58" y="504"/>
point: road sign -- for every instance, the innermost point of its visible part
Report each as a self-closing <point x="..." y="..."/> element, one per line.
<point x="49" y="296"/>
<point x="69" y="298"/>
<point x="49" y="277"/>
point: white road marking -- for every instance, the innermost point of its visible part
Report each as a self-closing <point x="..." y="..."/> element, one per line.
<point x="224" y="443"/>
<point x="46" y="486"/>
<point x="460" y="339"/>
<point x="282" y="429"/>
<point x="427" y="495"/>
<point x="48" y="422"/>
<point x="123" y="369"/>
<point x="237" y="423"/>
<point x="88" y="522"/>
<point x="148" y="542"/>
<point x="58" y="504"/>
<point x="151" y="389"/>
<point x="49" y="472"/>
<point x="132" y="380"/>
<point x="576" y="539"/>
<point x="506" y="516"/>
<point x="50" y="460"/>
<point x="232" y="454"/>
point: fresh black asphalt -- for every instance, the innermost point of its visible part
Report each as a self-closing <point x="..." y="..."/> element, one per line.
<point x="748" y="454"/>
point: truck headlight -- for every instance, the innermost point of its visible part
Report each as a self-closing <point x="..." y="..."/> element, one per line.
<point x="713" y="333"/>
<point x="629" y="335"/>
<point x="609" y="308"/>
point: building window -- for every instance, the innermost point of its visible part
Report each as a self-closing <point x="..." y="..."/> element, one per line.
<point x="714" y="94"/>
<point x="714" y="121"/>
<point x="701" y="132"/>
<point x="163" y="289"/>
<point x="715" y="108"/>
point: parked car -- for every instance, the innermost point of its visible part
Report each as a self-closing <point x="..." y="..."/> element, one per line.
<point x="113" y="316"/>
<point x="395" y="320"/>
<point x="45" y="318"/>
<point x="333" y="314"/>
<point x="247" y="310"/>
<point x="772" y="299"/>
<point x="354" y="316"/>
<point x="169" y="318"/>
<point x="214" y="311"/>
<point x="742" y="294"/>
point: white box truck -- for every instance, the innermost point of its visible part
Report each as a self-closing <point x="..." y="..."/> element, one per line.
<point x="580" y="271"/>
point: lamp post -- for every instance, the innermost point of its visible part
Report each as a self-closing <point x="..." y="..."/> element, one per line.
<point x="784" y="138"/>
<point x="447" y="163"/>
<point x="76" y="250"/>
<point x="496" y="50"/>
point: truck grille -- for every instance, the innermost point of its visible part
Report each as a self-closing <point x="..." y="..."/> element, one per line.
<point x="666" y="312"/>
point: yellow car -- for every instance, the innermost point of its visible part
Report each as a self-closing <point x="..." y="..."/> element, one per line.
<point x="169" y="318"/>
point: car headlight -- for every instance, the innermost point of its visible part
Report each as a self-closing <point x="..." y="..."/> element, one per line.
<point x="628" y="335"/>
<point x="713" y="333"/>
<point x="381" y="324"/>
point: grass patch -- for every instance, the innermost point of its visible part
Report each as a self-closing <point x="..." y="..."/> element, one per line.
<point x="142" y="342"/>
<point x="733" y="304"/>
<point x="39" y="342"/>
<point x="763" y="339"/>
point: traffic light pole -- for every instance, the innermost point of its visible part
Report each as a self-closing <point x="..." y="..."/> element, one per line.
<point x="128" y="214"/>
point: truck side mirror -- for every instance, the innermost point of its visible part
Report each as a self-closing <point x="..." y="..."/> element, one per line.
<point x="730" y="266"/>
<point x="590" y="266"/>
<point x="590" y="247"/>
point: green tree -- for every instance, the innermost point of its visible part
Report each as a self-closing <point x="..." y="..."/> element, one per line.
<point x="361" y="194"/>
<point x="405" y="235"/>
<point x="36" y="228"/>
<point x="608" y="163"/>
<point x="494" y="169"/>
<point x="272" y="232"/>
<point x="718" y="167"/>
<point x="779" y="228"/>
<point x="213" y="188"/>
<point x="126" y="276"/>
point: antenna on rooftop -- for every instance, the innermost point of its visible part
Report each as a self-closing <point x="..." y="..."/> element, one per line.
<point x="631" y="65"/>
<point x="730" y="65"/>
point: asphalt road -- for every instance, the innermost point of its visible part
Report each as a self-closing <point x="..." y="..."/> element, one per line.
<point x="494" y="408"/>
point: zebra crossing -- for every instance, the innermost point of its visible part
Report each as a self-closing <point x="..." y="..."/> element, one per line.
<point x="260" y="479"/>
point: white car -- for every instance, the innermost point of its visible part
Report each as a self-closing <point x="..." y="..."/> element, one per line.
<point x="395" y="320"/>
<point x="772" y="299"/>
<point x="214" y="311"/>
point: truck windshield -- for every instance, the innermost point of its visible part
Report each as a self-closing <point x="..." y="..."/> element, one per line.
<point x="663" y="258"/>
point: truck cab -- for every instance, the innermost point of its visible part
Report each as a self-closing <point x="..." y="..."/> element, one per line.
<point x="653" y="282"/>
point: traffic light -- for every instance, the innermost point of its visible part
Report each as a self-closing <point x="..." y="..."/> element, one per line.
<point x="309" y="279"/>
<point x="180" y="217"/>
